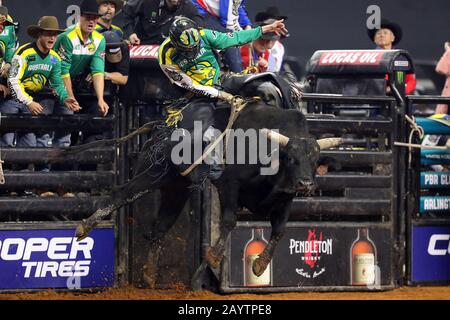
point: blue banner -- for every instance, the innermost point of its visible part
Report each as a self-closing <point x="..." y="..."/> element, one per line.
<point x="431" y="157"/>
<point x="430" y="254"/>
<point x="435" y="204"/>
<point x="54" y="259"/>
<point x="437" y="124"/>
<point x="432" y="180"/>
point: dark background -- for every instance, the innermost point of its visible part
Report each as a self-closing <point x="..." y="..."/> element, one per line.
<point x="314" y="25"/>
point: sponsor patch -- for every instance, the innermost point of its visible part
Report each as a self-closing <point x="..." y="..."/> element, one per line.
<point x="14" y="71"/>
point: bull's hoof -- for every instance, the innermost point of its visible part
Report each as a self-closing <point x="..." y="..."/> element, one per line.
<point x="259" y="266"/>
<point x="213" y="258"/>
<point x="82" y="231"/>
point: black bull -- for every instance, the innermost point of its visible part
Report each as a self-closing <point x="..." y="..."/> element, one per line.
<point x="241" y="185"/>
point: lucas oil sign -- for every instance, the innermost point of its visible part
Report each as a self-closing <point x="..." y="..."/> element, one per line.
<point x="332" y="58"/>
<point x="55" y="259"/>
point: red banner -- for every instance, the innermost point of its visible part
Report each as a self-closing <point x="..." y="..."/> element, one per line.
<point x="357" y="57"/>
<point x="144" y="52"/>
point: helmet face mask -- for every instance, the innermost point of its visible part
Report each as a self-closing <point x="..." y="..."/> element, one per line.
<point x="185" y="37"/>
<point x="189" y="54"/>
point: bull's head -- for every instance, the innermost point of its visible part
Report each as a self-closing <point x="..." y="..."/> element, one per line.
<point x="299" y="157"/>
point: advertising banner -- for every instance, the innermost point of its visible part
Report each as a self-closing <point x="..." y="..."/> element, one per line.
<point x="430" y="254"/>
<point x="313" y="256"/>
<point x="55" y="259"/>
<point x="433" y="180"/>
<point x="432" y="157"/>
<point x="435" y="204"/>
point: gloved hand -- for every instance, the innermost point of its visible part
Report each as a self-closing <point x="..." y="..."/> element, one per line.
<point x="223" y="95"/>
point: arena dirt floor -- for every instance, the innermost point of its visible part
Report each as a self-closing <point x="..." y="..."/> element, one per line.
<point x="180" y="293"/>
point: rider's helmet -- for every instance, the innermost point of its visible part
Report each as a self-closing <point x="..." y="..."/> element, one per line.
<point x="185" y="37"/>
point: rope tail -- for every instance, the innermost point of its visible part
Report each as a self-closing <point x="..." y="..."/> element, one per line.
<point x="61" y="154"/>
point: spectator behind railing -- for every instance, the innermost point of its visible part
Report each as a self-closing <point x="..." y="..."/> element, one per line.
<point x="226" y="16"/>
<point x="276" y="53"/>
<point x="388" y="36"/>
<point x="148" y="21"/>
<point x="443" y="67"/>
<point x="117" y="66"/>
<point x="82" y="50"/>
<point x="255" y="55"/>
<point x="8" y="41"/>
<point x="32" y="66"/>
<point x="108" y="9"/>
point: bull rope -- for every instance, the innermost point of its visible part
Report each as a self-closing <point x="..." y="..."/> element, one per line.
<point x="415" y="128"/>
<point x="236" y="107"/>
<point x="2" y="176"/>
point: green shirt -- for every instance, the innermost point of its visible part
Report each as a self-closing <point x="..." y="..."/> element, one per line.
<point x="30" y="70"/>
<point x="80" y="58"/>
<point x="8" y="41"/>
<point x="204" y="69"/>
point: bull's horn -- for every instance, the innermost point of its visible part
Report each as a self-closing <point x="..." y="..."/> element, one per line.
<point x="275" y="136"/>
<point x="328" y="143"/>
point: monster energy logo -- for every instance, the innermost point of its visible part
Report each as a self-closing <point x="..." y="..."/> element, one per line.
<point x="400" y="77"/>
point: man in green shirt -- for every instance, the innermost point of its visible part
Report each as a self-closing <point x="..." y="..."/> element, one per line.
<point x="187" y="58"/>
<point x="33" y="65"/>
<point x="82" y="50"/>
<point x="8" y="42"/>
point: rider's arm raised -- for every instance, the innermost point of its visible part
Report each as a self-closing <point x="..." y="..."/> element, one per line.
<point x="219" y="40"/>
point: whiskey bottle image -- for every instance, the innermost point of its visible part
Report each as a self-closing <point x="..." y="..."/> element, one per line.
<point x="363" y="259"/>
<point x="254" y="247"/>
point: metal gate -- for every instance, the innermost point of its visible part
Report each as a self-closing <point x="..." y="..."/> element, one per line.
<point x="37" y="234"/>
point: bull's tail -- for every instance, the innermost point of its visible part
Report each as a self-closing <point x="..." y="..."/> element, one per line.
<point x="62" y="154"/>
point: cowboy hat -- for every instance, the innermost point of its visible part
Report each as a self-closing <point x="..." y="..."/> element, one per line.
<point x="269" y="13"/>
<point x="269" y="35"/>
<point x="117" y="3"/>
<point x="89" y="7"/>
<point x="45" y="23"/>
<point x="6" y="20"/>
<point x="272" y="13"/>
<point x="386" y="24"/>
